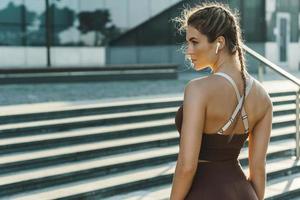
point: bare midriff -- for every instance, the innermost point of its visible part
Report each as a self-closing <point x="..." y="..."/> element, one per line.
<point x="204" y="161"/>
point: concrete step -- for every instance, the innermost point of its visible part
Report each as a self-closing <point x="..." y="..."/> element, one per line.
<point x="84" y="135"/>
<point x="131" y="156"/>
<point x="277" y="91"/>
<point x="116" y="143"/>
<point x="74" y="153"/>
<point x="59" y="110"/>
<point x="285" y="109"/>
<point x="284" y="188"/>
<point x="287" y="188"/>
<point x="32" y="112"/>
<point x="28" y="142"/>
<point x="47" y="126"/>
<point x="13" y="110"/>
<point x="283" y="133"/>
<point x="125" y="182"/>
<point x="15" y="152"/>
<point x="281" y="100"/>
<point x="12" y="145"/>
<point x="109" y="166"/>
<point x="69" y="123"/>
<point x="163" y="191"/>
<point x="283" y="120"/>
<point x="86" y="132"/>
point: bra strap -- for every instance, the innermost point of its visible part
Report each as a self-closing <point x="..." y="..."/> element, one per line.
<point x="249" y="83"/>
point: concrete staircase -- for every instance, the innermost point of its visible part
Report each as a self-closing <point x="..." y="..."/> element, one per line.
<point x="119" y="150"/>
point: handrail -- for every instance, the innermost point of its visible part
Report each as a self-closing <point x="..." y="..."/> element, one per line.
<point x="272" y="66"/>
<point x="290" y="77"/>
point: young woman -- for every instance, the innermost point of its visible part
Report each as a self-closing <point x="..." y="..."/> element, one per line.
<point x="219" y="113"/>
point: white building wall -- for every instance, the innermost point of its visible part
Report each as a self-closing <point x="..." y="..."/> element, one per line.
<point x="60" y="56"/>
<point x="272" y="53"/>
<point x="294" y="56"/>
<point x="272" y="48"/>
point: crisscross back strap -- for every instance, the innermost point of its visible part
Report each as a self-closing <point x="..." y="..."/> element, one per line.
<point x="249" y="83"/>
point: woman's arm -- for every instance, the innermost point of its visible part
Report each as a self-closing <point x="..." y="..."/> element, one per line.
<point x="190" y="140"/>
<point x="182" y="181"/>
<point x="258" y="145"/>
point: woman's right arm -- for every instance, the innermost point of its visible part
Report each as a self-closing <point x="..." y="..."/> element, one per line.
<point x="258" y="144"/>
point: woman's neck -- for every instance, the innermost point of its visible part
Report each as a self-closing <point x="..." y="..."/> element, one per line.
<point x="227" y="64"/>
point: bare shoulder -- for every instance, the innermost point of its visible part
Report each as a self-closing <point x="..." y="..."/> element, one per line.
<point x="197" y="88"/>
<point x="262" y="93"/>
<point x="204" y="86"/>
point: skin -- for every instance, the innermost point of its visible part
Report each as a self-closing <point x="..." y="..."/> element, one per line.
<point x="205" y="113"/>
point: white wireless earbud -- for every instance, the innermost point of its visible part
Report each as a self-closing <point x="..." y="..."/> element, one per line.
<point x="217" y="49"/>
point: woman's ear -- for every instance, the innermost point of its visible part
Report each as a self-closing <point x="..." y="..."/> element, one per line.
<point x="220" y="42"/>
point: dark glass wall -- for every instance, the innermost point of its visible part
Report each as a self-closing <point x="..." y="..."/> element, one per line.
<point x="253" y="20"/>
<point x="17" y="25"/>
<point x="73" y="22"/>
<point x="161" y="31"/>
<point x="22" y="23"/>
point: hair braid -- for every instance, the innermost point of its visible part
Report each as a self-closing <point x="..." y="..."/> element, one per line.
<point x="241" y="58"/>
<point x="237" y="47"/>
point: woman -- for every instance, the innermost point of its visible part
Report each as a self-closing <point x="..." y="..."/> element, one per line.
<point x="215" y="120"/>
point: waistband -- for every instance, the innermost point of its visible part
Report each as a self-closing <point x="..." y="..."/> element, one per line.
<point x="219" y="161"/>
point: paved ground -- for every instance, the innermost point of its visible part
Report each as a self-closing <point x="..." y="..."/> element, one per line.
<point x="104" y="91"/>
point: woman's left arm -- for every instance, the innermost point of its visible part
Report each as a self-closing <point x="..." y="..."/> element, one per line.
<point x="194" y="106"/>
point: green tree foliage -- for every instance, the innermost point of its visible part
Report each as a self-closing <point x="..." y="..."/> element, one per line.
<point x="98" y="21"/>
<point x="11" y="33"/>
<point x="60" y="20"/>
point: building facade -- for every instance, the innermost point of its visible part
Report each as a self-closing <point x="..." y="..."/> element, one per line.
<point x="283" y="33"/>
<point x="77" y="30"/>
<point x="270" y="27"/>
<point x="101" y="32"/>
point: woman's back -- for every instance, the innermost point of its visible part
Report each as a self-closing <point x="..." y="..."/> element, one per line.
<point x="222" y="101"/>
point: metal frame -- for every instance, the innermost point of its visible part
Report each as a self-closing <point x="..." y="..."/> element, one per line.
<point x="297" y="125"/>
<point x="48" y="32"/>
<point x="260" y="72"/>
